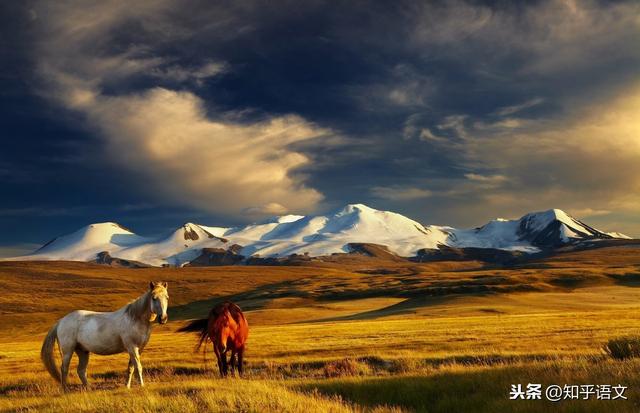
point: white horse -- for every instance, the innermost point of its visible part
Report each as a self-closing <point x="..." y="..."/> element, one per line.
<point x="127" y="329"/>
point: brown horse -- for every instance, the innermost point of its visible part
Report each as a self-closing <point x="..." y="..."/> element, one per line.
<point x="227" y="328"/>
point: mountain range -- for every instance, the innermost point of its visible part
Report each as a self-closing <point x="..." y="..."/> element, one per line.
<point x="355" y="228"/>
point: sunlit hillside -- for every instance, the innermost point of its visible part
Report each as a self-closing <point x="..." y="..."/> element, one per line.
<point x="363" y="335"/>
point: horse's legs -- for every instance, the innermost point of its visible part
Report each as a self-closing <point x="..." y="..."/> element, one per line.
<point x="240" y="356"/>
<point x="225" y="365"/>
<point x="83" y="361"/>
<point x="139" y="366"/>
<point x="232" y="362"/>
<point x="64" y="369"/>
<point x="131" y="368"/>
<point x="134" y="354"/>
<point x="220" y="356"/>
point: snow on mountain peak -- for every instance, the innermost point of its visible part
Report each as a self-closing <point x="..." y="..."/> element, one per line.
<point x="108" y="225"/>
<point x="92" y="234"/>
<point x="216" y="231"/>
<point x="539" y="220"/>
<point x="82" y="244"/>
<point x="555" y="227"/>
<point x="191" y="232"/>
<point x="104" y="229"/>
<point x="331" y="233"/>
<point x="319" y="235"/>
<point x="357" y="208"/>
<point x="284" y="219"/>
<point x="619" y="235"/>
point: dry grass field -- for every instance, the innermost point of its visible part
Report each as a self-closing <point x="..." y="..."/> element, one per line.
<point x="359" y="335"/>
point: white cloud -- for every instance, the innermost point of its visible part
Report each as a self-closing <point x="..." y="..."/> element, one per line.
<point x="427" y="135"/>
<point x="553" y="35"/>
<point x="510" y="110"/>
<point x="587" y="162"/>
<point x="588" y="212"/>
<point x="272" y="208"/>
<point x="182" y="73"/>
<point x="165" y="137"/>
<point x="488" y="179"/>
<point x="412" y="129"/>
<point x="400" y="193"/>
<point x="455" y="123"/>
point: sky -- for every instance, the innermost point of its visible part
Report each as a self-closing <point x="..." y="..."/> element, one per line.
<point x="156" y="113"/>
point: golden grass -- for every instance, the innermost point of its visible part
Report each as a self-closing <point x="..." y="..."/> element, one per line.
<point x="191" y="396"/>
<point x="405" y="349"/>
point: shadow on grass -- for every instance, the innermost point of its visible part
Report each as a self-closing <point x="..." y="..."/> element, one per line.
<point x="254" y="299"/>
<point x="8" y="389"/>
<point x="152" y="372"/>
<point x="571" y="282"/>
<point x="408" y="306"/>
<point x="626" y="280"/>
<point x="473" y="391"/>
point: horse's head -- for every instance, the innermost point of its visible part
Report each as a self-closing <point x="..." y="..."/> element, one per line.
<point x="159" y="301"/>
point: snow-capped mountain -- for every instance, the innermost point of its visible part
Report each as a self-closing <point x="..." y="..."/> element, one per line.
<point x="181" y="246"/>
<point x="85" y="243"/>
<point x="531" y="233"/>
<point x="321" y="235"/>
<point x="555" y="227"/>
<point x="331" y="233"/>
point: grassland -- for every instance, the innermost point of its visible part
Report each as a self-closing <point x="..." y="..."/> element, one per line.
<point x="360" y="335"/>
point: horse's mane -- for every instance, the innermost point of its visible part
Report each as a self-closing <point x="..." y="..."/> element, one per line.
<point x="234" y="311"/>
<point x="139" y="307"/>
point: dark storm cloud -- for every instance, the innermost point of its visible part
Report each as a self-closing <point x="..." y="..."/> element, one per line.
<point x="450" y="112"/>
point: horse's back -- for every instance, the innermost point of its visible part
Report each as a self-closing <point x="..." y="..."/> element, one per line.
<point x="92" y="331"/>
<point x="75" y="319"/>
<point x="68" y="327"/>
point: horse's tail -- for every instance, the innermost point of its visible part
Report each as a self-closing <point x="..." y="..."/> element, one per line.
<point x="197" y="326"/>
<point x="46" y="353"/>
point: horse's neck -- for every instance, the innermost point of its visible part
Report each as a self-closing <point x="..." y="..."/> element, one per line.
<point x="139" y="310"/>
<point x="232" y="322"/>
